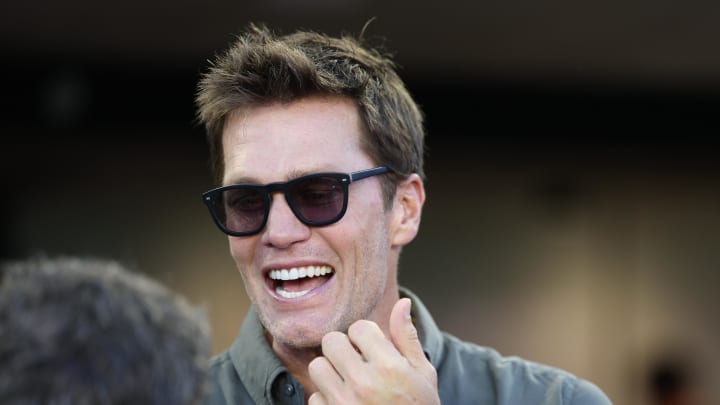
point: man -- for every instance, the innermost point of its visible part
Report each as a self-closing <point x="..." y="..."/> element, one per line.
<point x="319" y="150"/>
<point x="81" y="332"/>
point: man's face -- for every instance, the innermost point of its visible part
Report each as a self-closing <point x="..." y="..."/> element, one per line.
<point x="280" y="142"/>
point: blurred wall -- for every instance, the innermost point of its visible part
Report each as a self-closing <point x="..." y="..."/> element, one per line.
<point x="573" y="222"/>
<point x="595" y="257"/>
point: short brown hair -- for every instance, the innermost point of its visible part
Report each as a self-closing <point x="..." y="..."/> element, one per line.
<point x="261" y="68"/>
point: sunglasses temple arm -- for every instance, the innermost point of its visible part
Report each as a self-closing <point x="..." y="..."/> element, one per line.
<point x="368" y="173"/>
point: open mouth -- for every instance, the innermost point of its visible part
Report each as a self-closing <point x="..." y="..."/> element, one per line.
<point x="298" y="281"/>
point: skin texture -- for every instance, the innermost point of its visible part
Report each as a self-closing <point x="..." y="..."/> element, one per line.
<point x="279" y="142"/>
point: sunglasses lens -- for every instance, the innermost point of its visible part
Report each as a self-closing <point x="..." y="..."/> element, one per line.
<point x="241" y="209"/>
<point x="319" y="200"/>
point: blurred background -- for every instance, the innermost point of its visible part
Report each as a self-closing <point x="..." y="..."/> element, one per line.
<point x="573" y="212"/>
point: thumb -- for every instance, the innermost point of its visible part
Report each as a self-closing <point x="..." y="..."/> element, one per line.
<point x="404" y="335"/>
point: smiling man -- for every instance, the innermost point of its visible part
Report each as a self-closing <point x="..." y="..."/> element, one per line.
<point x="318" y="148"/>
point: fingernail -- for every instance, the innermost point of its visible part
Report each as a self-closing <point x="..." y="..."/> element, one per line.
<point x="409" y="310"/>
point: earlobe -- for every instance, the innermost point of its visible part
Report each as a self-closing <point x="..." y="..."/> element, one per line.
<point x="407" y="210"/>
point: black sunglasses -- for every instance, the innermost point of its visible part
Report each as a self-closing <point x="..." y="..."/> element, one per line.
<point x="316" y="200"/>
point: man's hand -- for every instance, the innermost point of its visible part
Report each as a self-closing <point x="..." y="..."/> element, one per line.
<point x="364" y="367"/>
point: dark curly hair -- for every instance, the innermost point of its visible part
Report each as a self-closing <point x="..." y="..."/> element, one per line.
<point x="79" y="331"/>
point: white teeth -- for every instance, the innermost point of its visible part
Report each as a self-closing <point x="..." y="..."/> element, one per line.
<point x="290" y="294"/>
<point x="297" y="273"/>
<point x="300" y="272"/>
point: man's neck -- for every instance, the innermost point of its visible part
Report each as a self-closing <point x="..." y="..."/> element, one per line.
<point x="297" y="359"/>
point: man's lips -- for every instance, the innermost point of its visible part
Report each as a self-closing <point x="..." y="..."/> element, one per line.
<point x="296" y="282"/>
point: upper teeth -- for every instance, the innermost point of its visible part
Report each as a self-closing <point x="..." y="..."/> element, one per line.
<point x="300" y="272"/>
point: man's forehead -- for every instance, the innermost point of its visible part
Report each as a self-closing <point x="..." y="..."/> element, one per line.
<point x="312" y="114"/>
<point x="310" y="105"/>
<point x="280" y="142"/>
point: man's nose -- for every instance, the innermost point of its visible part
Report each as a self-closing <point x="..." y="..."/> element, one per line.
<point x="283" y="228"/>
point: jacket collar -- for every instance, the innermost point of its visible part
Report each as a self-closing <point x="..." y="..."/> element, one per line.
<point x="258" y="367"/>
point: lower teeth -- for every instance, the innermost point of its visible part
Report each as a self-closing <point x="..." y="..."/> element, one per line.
<point x="290" y="294"/>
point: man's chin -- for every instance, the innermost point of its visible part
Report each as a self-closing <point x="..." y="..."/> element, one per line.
<point x="293" y="337"/>
<point x="295" y="343"/>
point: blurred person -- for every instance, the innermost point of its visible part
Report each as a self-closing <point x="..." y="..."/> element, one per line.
<point x="673" y="381"/>
<point x="318" y="150"/>
<point x="81" y="331"/>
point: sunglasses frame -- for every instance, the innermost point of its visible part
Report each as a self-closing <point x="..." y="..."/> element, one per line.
<point x="345" y="179"/>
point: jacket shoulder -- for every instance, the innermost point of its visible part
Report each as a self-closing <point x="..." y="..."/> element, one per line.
<point x="224" y="385"/>
<point x="469" y="373"/>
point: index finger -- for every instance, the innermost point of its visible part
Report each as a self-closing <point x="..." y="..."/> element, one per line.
<point x="338" y="350"/>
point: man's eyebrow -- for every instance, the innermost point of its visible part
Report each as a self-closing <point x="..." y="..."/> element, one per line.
<point x="293" y="174"/>
<point x="241" y="180"/>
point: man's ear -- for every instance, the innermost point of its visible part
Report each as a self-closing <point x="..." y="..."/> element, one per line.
<point x="407" y="209"/>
